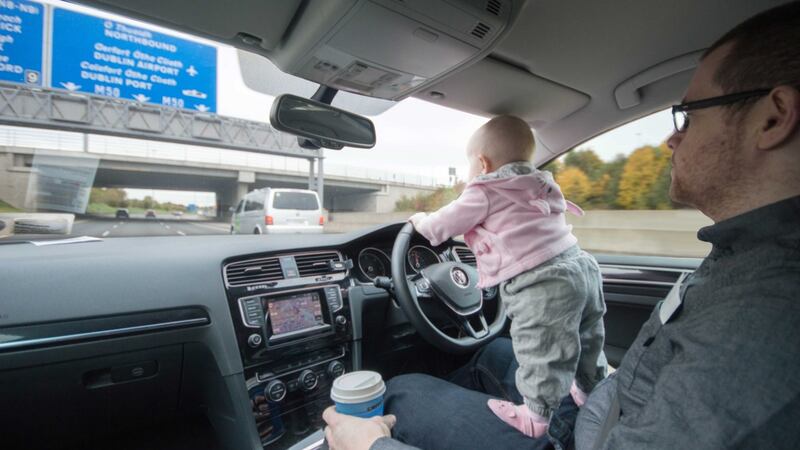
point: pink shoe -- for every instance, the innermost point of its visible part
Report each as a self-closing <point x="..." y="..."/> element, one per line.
<point x="520" y="417"/>
<point x="578" y="396"/>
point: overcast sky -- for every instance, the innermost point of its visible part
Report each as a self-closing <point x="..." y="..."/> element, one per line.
<point x="414" y="137"/>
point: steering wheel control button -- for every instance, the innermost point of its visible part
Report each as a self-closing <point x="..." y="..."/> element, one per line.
<point x="308" y="380"/>
<point x="275" y="390"/>
<point x="254" y="340"/>
<point x="423" y="287"/>
<point x="335" y="369"/>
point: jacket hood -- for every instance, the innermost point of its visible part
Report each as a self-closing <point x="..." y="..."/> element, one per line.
<point x="526" y="186"/>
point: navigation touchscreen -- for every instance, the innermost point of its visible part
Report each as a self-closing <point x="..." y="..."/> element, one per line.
<point x="294" y="313"/>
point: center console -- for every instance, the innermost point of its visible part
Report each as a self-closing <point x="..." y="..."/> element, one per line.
<point x="293" y="324"/>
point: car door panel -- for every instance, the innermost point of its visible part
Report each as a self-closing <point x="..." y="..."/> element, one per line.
<point x="632" y="287"/>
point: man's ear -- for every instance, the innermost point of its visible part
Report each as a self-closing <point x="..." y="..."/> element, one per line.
<point x="780" y="117"/>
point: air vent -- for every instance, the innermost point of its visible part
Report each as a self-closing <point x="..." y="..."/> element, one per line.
<point x="315" y="264"/>
<point x="480" y="30"/>
<point x="253" y="271"/>
<point x="493" y="7"/>
<point x="465" y="255"/>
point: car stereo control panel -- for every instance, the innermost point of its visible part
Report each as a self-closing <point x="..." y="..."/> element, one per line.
<point x="292" y="319"/>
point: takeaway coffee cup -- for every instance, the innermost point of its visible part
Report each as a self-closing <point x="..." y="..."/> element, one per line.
<point x="359" y="394"/>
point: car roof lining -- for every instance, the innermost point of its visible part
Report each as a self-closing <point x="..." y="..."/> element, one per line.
<point x="646" y="49"/>
<point x="565" y="66"/>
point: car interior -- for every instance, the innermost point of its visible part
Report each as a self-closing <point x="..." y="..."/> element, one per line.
<point x="197" y="357"/>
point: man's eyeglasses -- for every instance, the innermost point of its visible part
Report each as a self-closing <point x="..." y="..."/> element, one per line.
<point x="680" y="113"/>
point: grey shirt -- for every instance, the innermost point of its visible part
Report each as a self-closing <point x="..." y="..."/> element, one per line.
<point x="724" y="371"/>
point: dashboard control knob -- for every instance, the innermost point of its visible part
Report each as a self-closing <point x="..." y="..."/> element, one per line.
<point x="341" y="321"/>
<point x="308" y="380"/>
<point x="275" y="390"/>
<point x="335" y="369"/>
<point x="254" y="340"/>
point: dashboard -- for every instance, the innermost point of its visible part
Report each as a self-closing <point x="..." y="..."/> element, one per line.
<point x="297" y="316"/>
<point x="247" y="330"/>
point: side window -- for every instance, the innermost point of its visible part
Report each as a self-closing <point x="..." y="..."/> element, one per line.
<point x="622" y="179"/>
<point x="248" y="204"/>
<point x="240" y="206"/>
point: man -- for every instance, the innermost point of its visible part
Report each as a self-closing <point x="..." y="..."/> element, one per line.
<point x="716" y="365"/>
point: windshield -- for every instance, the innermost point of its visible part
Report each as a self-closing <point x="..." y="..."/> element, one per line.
<point x="157" y="134"/>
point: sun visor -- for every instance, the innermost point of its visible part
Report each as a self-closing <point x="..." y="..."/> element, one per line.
<point x="492" y="87"/>
<point x="262" y="21"/>
<point x="390" y="49"/>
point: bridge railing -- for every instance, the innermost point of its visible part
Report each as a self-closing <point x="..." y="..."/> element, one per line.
<point x="98" y="144"/>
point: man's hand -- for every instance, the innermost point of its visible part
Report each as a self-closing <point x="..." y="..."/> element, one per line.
<point x="353" y="433"/>
<point x="416" y="218"/>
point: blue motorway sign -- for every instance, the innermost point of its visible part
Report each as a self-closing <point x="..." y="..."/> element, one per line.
<point x="114" y="59"/>
<point x="21" y="24"/>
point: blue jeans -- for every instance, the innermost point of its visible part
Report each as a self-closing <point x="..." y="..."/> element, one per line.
<point x="434" y="414"/>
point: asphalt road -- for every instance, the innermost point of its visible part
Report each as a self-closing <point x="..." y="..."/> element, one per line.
<point x="103" y="228"/>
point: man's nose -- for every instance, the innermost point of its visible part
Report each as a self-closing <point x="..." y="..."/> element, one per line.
<point x="674" y="140"/>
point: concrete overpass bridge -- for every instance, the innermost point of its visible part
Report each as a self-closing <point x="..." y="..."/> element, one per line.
<point x="229" y="181"/>
<point x="158" y="147"/>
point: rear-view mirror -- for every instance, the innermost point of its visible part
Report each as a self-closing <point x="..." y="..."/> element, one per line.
<point x="325" y="125"/>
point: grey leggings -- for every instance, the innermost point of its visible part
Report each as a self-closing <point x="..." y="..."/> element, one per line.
<point x="557" y="329"/>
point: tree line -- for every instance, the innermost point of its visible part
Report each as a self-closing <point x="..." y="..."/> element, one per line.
<point x="639" y="180"/>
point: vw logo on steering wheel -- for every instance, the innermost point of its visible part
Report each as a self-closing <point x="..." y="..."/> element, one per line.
<point x="459" y="277"/>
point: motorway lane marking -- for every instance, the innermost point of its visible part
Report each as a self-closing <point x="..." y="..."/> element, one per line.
<point x="181" y="233"/>
<point x="215" y="226"/>
<point x="105" y="233"/>
<point x="115" y="226"/>
<point x="167" y="226"/>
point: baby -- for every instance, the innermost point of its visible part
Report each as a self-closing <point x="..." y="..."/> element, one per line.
<point x="512" y="218"/>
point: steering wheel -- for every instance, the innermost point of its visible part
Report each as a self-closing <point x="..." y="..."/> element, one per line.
<point x="451" y="286"/>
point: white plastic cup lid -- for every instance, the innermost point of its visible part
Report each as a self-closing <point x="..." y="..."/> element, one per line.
<point x="357" y="387"/>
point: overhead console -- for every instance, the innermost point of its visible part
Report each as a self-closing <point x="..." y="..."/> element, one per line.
<point x="343" y="44"/>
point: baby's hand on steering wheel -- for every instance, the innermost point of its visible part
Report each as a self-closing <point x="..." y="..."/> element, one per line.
<point x="353" y="433"/>
<point x="416" y="218"/>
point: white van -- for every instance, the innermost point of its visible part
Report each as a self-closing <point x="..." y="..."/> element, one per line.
<point x="268" y="211"/>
